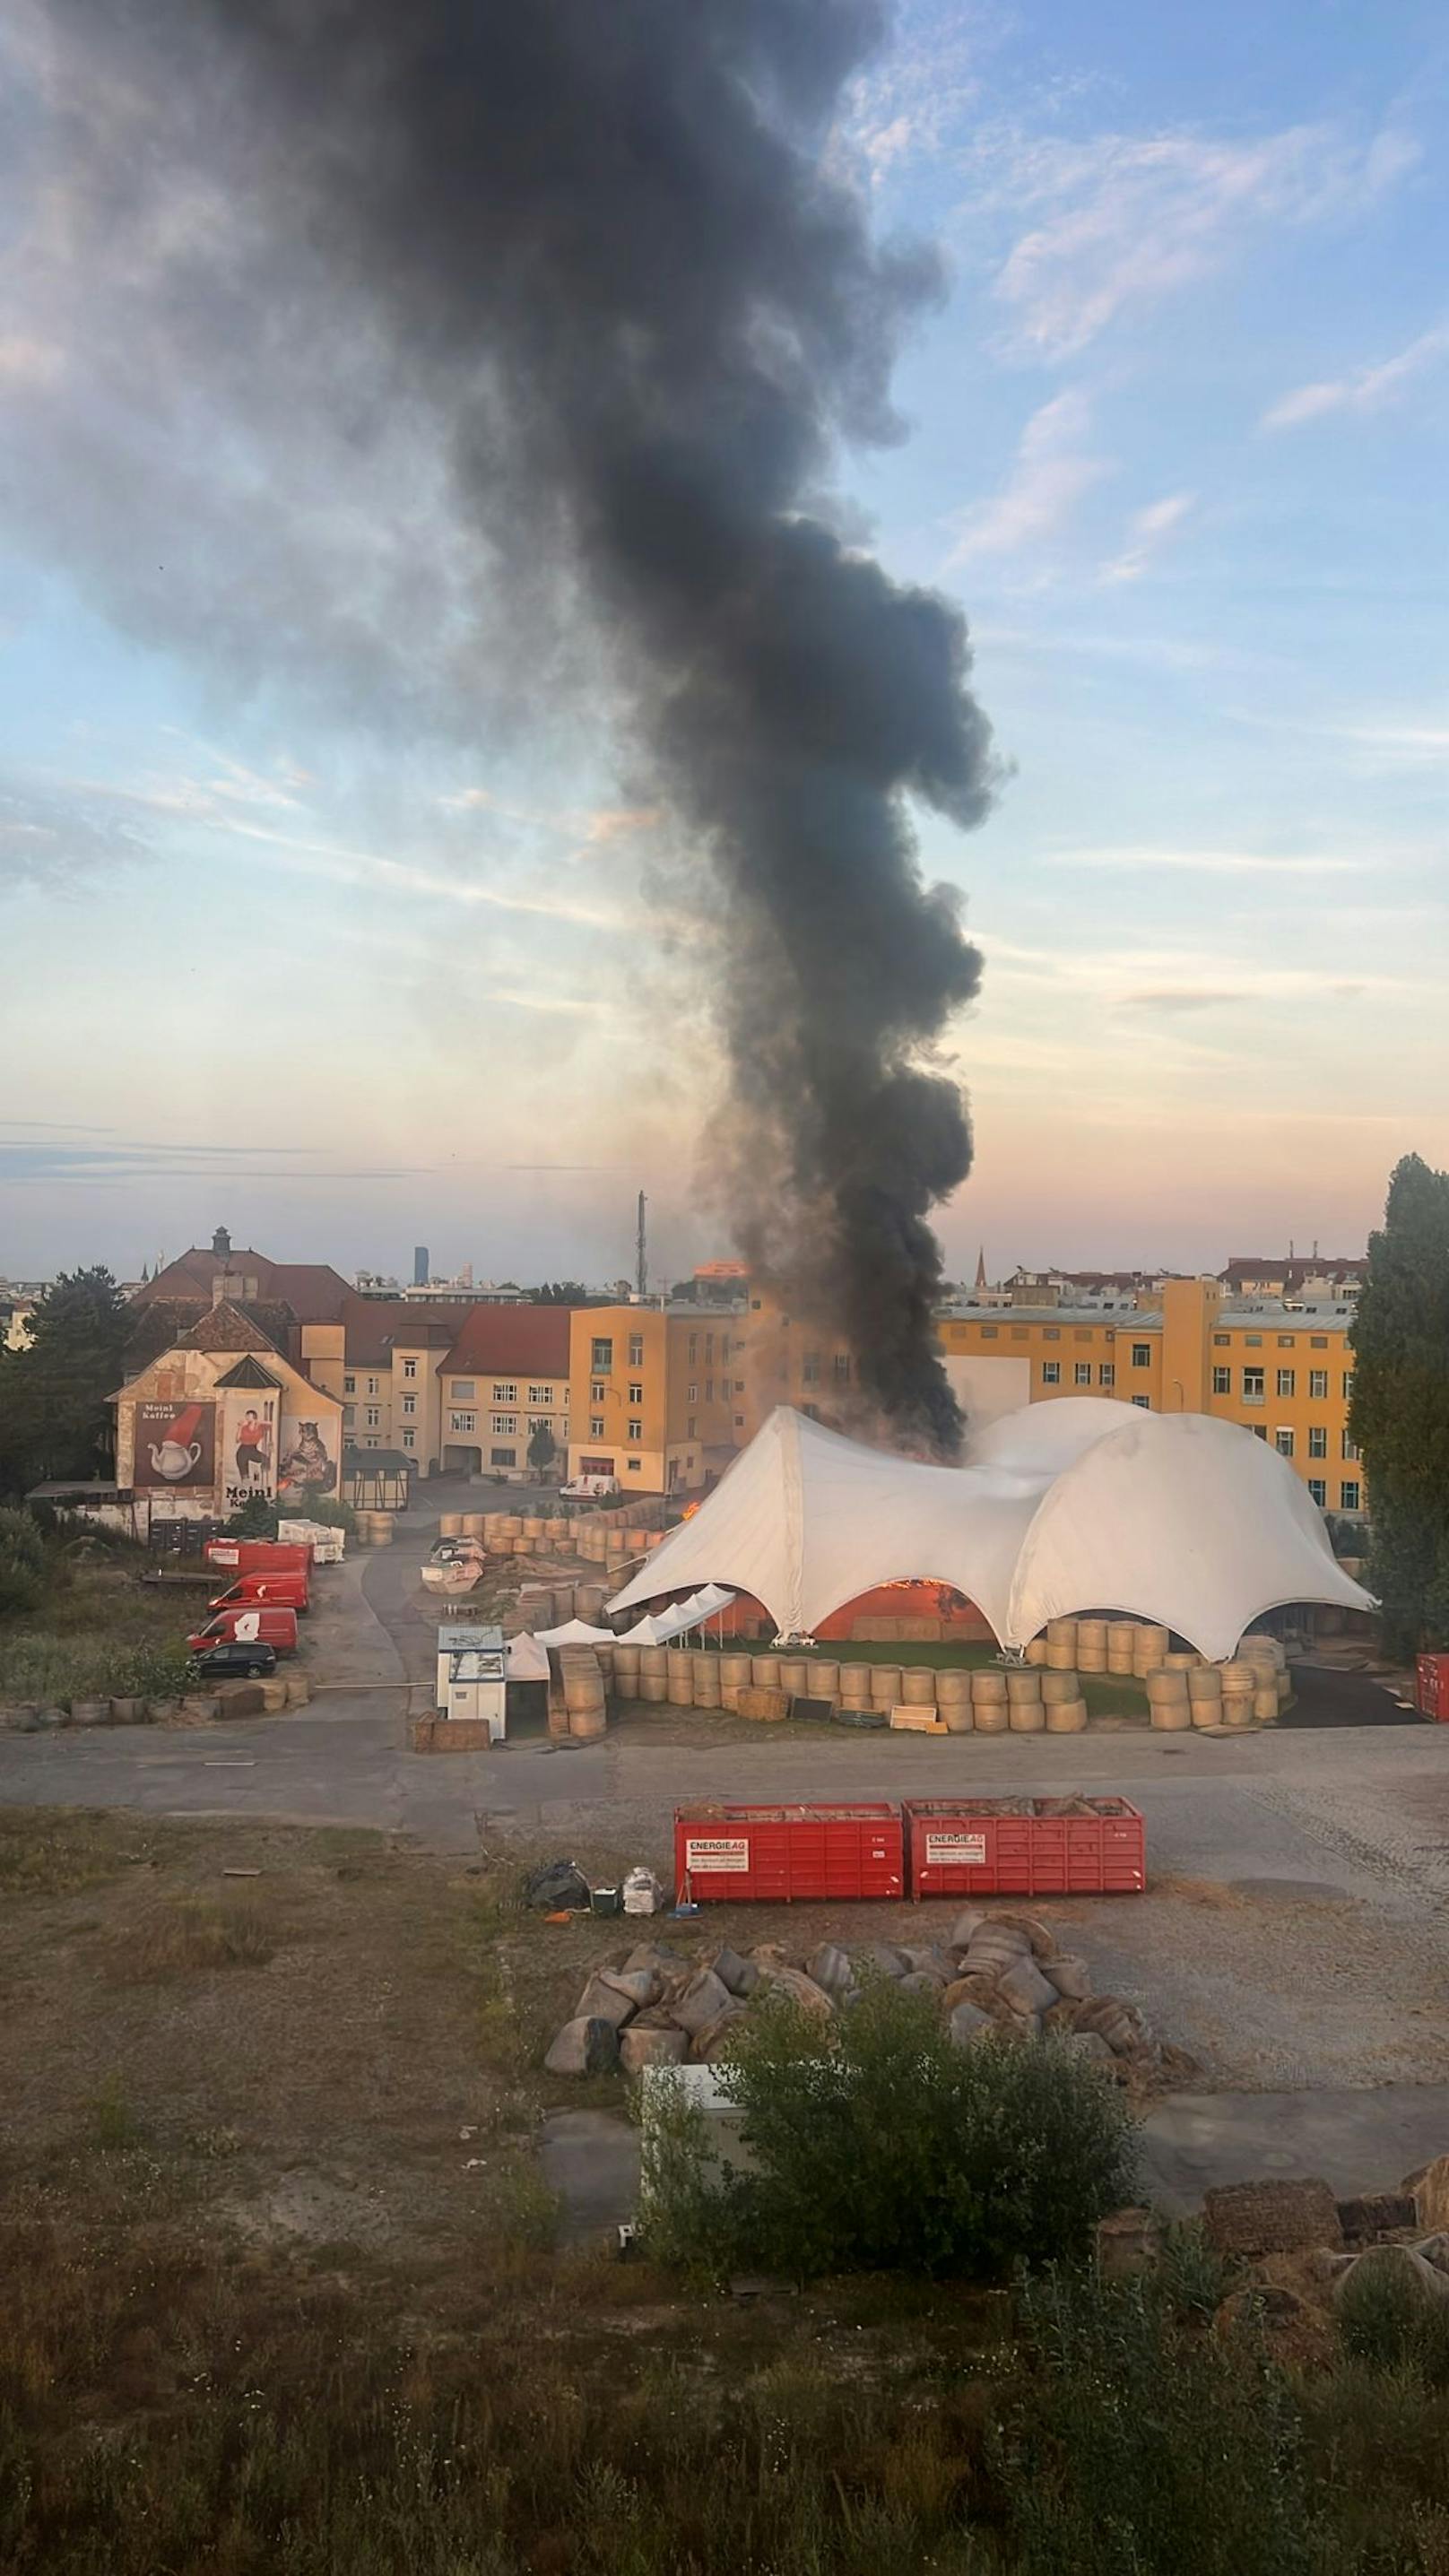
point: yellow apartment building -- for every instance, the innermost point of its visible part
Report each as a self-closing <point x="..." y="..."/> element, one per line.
<point x="651" y="1395"/>
<point x="505" y="1376"/>
<point x="778" y="1356"/>
<point x="1280" y="1368"/>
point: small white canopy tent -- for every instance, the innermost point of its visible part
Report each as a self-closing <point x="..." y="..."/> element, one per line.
<point x="661" y="1625"/>
<point x="575" y="1632"/>
<point x="1077" y="1504"/>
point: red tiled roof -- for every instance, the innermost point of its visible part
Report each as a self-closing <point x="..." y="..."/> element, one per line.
<point x="374" y="1325"/>
<point x="226" y="1328"/>
<point x="515" y="1341"/>
<point x="1294" y="1268"/>
<point x="313" y="1289"/>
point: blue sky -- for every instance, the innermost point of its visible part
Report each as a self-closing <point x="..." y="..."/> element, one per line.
<point x="295" y="943"/>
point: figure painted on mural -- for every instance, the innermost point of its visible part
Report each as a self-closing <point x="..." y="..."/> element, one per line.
<point x="253" y="1449"/>
<point x="307" y="1464"/>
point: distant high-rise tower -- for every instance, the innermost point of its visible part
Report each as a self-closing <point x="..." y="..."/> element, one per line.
<point x="422" y="1265"/>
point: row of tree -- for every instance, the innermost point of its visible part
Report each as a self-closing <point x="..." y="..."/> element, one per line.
<point x="1400" y="1411"/>
<point x="55" y="1417"/>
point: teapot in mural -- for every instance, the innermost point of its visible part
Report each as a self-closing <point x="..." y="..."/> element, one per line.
<point x="176" y="1455"/>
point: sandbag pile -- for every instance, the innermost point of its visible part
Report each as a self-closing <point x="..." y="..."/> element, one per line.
<point x="998" y="1975"/>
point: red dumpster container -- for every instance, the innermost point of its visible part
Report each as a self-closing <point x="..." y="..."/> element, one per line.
<point x="772" y="1855"/>
<point x="969" y="1846"/>
<point x="1433" y="1690"/>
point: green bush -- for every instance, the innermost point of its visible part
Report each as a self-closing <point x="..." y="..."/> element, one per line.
<point x="1385" y="2323"/>
<point x="1151" y="2444"/>
<point x="878" y="2144"/>
<point x="22" y="1563"/>
<point x="257" y="1519"/>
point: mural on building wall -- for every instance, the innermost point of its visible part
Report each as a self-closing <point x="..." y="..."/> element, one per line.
<point x="310" y="1462"/>
<point x="175" y="1446"/>
<point x="249" y="1449"/>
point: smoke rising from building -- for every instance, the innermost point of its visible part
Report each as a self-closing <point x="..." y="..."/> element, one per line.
<point x="605" y="239"/>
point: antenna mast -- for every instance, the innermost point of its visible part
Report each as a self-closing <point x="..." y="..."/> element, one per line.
<point x="641" y="1264"/>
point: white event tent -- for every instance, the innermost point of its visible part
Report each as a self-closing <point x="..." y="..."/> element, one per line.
<point x="1072" y="1505"/>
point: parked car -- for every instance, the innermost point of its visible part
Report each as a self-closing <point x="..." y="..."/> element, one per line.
<point x="235" y="1659"/>
<point x="579" y="1487"/>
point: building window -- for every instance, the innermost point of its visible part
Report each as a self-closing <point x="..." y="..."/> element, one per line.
<point x="503" y="1457"/>
<point x="1254" y="1341"/>
<point x="349" y="1416"/>
<point x="635" y="1466"/>
<point x="989" y="1332"/>
<point x="1019" y="1333"/>
<point x="1318" y="1341"/>
<point x="1145" y="1401"/>
<point x="370" y="1444"/>
<point x="1318" y="1490"/>
<point x="409" y="1439"/>
<point x="596" y="1426"/>
<point x="504" y="1393"/>
<point x="708" y="1349"/>
<point x="636" y="1350"/>
<point x="693" y="1349"/>
<point x="373" y="1386"/>
<point x="1350" y="1446"/>
<point x="410" y="1404"/>
<point x="603" y="1359"/>
<point x="541" y="1395"/>
<point x="739" y="1386"/>
<point x="1051" y="1372"/>
<point x="1222" y="1341"/>
<point x="1260" y="1431"/>
<point x="691" y="1429"/>
<point x="1222" y="1381"/>
<point x="636" y="1393"/>
<point x="464" y="1390"/>
<point x="349" y="1386"/>
<point x="1082" y="1373"/>
<point x="1318" y="1440"/>
<point x="506" y="1423"/>
<point x="1142" y="1355"/>
<point x="1348" y="1494"/>
<point x="1348" y="1386"/>
<point x="372" y="1417"/>
<point x="410" y="1368"/>
<point x="1252" y="1386"/>
<point x="810" y="1369"/>
<point x="1107" y="1373"/>
<point x="1082" y="1336"/>
<point x="1287" y="1381"/>
<point x="1051" y="1333"/>
<point x="739" y="1422"/>
<point x="1318" y="1383"/>
<point x="636" y="1430"/>
<point x="724" y="1349"/>
<point x="1287" y="1341"/>
<point x="709" y="1390"/>
<point x="1283" y="1443"/>
<point x="692" y="1395"/>
<point x="841" y="1365"/>
<point x="462" y="1421"/>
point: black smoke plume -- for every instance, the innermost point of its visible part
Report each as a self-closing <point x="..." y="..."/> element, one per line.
<point x="605" y="234"/>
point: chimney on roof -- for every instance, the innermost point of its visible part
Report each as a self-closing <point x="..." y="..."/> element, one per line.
<point x="221" y="1244"/>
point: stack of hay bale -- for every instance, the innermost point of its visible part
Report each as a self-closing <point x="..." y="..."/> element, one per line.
<point x="998" y="1977"/>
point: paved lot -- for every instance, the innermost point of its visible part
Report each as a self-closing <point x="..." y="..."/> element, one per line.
<point x="1294" y="1935"/>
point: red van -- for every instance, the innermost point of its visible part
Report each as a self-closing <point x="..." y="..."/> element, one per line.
<point x="249" y="1624"/>
<point x="288" y="1590"/>
<point x="259" y="1555"/>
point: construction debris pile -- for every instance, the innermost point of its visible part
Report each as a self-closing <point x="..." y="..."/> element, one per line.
<point x="998" y="1975"/>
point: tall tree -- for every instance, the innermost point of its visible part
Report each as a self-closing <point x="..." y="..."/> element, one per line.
<point x="54" y="1416"/>
<point x="1400" y="1410"/>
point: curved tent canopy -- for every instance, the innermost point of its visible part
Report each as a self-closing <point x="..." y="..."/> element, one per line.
<point x="1172" y="1517"/>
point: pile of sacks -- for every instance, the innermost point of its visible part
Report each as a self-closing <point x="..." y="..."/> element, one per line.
<point x="998" y="1974"/>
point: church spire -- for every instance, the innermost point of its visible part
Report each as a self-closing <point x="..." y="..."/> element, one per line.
<point x="981" y="1267"/>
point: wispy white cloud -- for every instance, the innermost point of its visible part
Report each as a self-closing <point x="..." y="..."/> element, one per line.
<point x="1208" y="863"/>
<point x="1125" y="220"/>
<point x="1051" y="472"/>
<point x="1366" y="389"/>
<point x="1147" y="530"/>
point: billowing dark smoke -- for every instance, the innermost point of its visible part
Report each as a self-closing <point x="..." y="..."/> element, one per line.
<point x="603" y="231"/>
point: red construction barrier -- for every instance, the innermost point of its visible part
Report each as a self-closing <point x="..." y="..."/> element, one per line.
<point x="773" y="1855"/>
<point x="970" y="1846"/>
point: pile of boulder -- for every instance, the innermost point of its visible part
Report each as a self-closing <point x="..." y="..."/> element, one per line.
<point x="997" y="1975"/>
